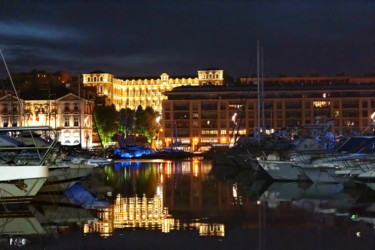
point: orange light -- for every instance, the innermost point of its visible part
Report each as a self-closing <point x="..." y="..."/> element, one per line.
<point x="196" y="168"/>
<point x="168" y="169"/>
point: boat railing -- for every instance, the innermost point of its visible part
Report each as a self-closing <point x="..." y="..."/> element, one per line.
<point x="18" y="145"/>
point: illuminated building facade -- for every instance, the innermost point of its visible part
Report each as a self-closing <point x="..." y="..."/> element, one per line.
<point x="70" y="115"/>
<point x="194" y="116"/>
<point x="130" y="93"/>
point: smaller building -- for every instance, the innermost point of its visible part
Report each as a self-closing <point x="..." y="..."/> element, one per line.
<point x="70" y="115"/>
<point x="195" y="117"/>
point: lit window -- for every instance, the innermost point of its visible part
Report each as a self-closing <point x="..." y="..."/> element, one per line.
<point x="320" y="104"/>
<point x="76" y="121"/>
<point x="66" y="122"/>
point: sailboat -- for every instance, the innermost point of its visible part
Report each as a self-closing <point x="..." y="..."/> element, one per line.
<point x="238" y="151"/>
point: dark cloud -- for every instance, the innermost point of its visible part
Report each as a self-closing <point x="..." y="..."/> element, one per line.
<point x="181" y="37"/>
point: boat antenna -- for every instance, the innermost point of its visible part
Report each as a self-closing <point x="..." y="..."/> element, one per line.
<point x="258" y="92"/>
<point x="13" y="86"/>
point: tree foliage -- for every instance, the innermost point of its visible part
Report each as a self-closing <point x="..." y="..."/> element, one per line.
<point x="146" y="123"/>
<point x="106" y="122"/>
<point x="127" y="121"/>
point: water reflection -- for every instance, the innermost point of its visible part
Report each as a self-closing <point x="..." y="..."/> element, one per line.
<point x="144" y="195"/>
<point x="189" y="204"/>
<point x="132" y="212"/>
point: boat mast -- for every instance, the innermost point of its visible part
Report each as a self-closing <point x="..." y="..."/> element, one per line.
<point x="262" y="89"/>
<point x="258" y="91"/>
<point x="81" y="107"/>
<point x="13" y="86"/>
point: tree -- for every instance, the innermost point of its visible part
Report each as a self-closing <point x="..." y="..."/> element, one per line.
<point x="113" y="125"/>
<point x="127" y="121"/>
<point x="146" y="123"/>
<point x="106" y="120"/>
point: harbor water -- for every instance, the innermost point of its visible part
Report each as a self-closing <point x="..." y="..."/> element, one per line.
<point x="190" y="204"/>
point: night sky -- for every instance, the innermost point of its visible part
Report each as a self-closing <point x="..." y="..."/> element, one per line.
<point x="148" y="38"/>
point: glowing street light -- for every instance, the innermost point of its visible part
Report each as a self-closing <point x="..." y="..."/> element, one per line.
<point x="373" y="117"/>
<point x="234" y="117"/>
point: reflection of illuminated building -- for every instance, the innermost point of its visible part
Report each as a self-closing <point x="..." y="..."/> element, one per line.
<point x="148" y="213"/>
<point x="213" y="229"/>
<point x="132" y="212"/>
<point x="153" y="213"/>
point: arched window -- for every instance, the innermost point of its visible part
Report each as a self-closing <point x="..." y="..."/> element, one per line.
<point x="101" y="79"/>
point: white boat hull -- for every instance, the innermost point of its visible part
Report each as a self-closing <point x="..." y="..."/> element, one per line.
<point x="9" y="173"/>
<point x="282" y="170"/>
<point x="323" y="175"/>
<point x="20" y="191"/>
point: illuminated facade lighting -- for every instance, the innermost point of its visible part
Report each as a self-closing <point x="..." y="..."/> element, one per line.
<point x="130" y="93"/>
<point x="70" y="116"/>
<point x="206" y="112"/>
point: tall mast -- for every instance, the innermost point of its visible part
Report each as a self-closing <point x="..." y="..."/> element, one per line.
<point x="80" y="109"/>
<point x="258" y="89"/>
<point x="14" y="87"/>
<point x="262" y="89"/>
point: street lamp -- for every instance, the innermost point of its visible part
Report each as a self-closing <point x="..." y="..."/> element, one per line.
<point x="157" y="119"/>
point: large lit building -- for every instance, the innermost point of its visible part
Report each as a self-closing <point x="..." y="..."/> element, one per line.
<point x="70" y="115"/>
<point x="204" y="115"/>
<point x="130" y="93"/>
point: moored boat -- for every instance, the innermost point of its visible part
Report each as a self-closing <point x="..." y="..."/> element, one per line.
<point x="21" y="180"/>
